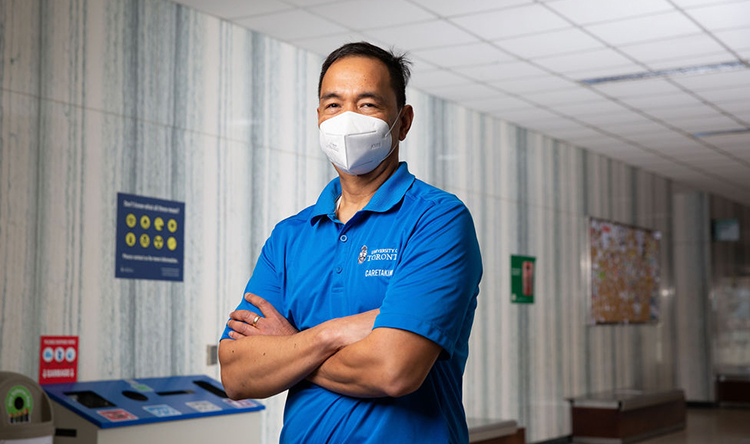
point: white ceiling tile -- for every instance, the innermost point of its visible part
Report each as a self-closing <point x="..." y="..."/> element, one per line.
<point x="307" y="3"/>
<point x="525" y="115"/>
<point x="462" y="55"/>
<point x="433" y="34"/>
<point x="550" y="43"/>
<point x="740" y="107"/>
<point x="367" y="14"/>
<point x="722" y="80"/>
<point x="611" y="120"/>
<point x="462" y="93"/>
<point x="291" y="25"/>
<point x="653" y="27"/>
<point x="447" y="8"/>
<point x="706" y="59"/>
<point x="500" y="71"/>
<point x="648" y="138"/>
<point x="636" y="88"/>
<point x="729" y="141"/>
<point x="536" y="84"/>
<point x="683" y="113"/>
<point x="678" y="47"/>
<point x="694" y="125"/>
<point x="574" y="94"/>
<point x="553" y="125"/>
<point x="512" y="22"/>
<point x="437" y="78"/>
<point x="647" y="102"/>
<point x="640" y="125"/>
<point x="590" y="11"/>
<point x="230" y="9"/>
<point x="501" y="103"/>
<point x="588" y="108"/>
<point x="582" y="61"/>
<point x="723" y="16"/>
<point x="611" y="71"/>
<point x="737" y="39"/>
<point x="325" y="45"/>
<point x="696" y="3"/>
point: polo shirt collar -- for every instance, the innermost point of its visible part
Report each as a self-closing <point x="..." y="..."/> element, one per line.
<point x="387" y="196"/>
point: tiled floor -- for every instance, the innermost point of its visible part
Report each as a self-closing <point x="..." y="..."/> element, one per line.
<point x="711" y="426"/>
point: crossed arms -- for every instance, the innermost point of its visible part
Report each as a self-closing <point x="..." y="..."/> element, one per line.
<point x="345" y="355"/>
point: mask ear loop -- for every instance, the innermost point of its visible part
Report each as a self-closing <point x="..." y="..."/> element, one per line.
<point x="389" y="132"/>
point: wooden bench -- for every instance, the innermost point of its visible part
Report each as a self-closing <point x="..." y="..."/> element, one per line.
<point x="733" y="389"/>
<point x="625" y="416"/>
<point x="495" y="431"/>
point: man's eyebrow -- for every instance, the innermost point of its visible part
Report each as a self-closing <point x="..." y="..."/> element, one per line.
<point x="364" y="95"/>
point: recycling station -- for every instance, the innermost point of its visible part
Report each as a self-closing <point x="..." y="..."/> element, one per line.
<point x="179" y="409"/>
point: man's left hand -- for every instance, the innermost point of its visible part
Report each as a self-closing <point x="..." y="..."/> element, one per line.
<point x="269" y="322"/>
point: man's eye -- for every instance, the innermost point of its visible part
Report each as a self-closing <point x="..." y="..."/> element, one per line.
<point x="332" y="105"/>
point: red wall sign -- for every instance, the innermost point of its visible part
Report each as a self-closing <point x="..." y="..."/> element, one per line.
<point x="58" y="359"/>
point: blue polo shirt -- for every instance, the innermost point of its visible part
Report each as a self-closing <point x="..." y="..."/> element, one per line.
<point x="413" y="253"/>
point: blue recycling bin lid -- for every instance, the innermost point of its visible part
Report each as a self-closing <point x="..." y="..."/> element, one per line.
<point x="126" y="402"/>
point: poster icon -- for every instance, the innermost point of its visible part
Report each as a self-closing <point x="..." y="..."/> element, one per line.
<point x="162" y="410"/>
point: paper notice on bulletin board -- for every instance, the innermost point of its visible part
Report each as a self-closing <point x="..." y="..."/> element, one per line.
<point x="150" y="238"/>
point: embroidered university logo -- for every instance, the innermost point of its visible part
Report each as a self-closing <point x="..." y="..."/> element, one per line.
<point x="362" y="254"/>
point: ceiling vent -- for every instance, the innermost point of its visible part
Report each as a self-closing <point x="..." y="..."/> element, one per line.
<point x="687" y="70"/>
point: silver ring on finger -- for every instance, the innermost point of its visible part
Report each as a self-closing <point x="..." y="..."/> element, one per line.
<point x="255" y="321"/>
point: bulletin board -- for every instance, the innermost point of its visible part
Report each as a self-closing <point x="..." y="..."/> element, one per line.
<point x="624" y="273"/>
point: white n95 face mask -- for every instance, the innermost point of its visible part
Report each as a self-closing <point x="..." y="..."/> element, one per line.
<point x="356" y="143"/>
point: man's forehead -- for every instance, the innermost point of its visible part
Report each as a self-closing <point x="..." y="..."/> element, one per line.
<point x="363" y="73"/>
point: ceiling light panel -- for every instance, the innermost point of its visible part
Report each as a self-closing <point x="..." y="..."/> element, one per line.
<point x="463" y="55"/>
<point x="722" y="57"/>
<point x="369" y="14"/>
<point x="433" y="34"/>
<point x="722" y="16"/>
<point x="511" y="22"/>
<point x="722" y="80"/>
<point x="642" y="29"/>
<point x="592" y="11"/>
<point x="291" y="25"/>
<point x="550" y="43"/>
<point x="448" y="8"/>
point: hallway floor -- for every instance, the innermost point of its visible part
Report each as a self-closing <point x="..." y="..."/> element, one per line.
<point x="711" y="426"/>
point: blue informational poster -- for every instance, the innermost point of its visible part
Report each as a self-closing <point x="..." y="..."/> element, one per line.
<point x="150" y="238"/>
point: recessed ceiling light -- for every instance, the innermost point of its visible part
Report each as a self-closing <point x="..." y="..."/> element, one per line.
<point x="687" y="70"/>
<point x="722" y="132"/>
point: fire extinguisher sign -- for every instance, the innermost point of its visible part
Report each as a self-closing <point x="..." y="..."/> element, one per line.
<point x="58" y="359"/>
<point x="522" y="279"/>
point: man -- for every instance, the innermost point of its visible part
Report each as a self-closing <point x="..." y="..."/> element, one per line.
<point x="361" y="305"/>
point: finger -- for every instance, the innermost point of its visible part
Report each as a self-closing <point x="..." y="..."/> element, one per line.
<point x="267" y="309"/>
<point x="240" y="327"/>
<point x="246" y="316"/>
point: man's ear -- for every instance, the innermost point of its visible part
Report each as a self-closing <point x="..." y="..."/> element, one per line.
<point x="407" y="117"/>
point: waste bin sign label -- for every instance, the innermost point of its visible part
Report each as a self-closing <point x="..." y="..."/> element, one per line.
<point x="117" y="415"/>
<point x="19" y="404"/>
<point x="58" y="359"/>
<point x="162" y="410"/>
<point x="204" y="406"/>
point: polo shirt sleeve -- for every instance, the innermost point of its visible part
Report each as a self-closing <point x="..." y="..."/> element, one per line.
<point x="436" y="281"/>
<point x="265" y="281"/>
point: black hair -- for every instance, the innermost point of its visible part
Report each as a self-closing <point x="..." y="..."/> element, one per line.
<point x="398" y="65"/>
